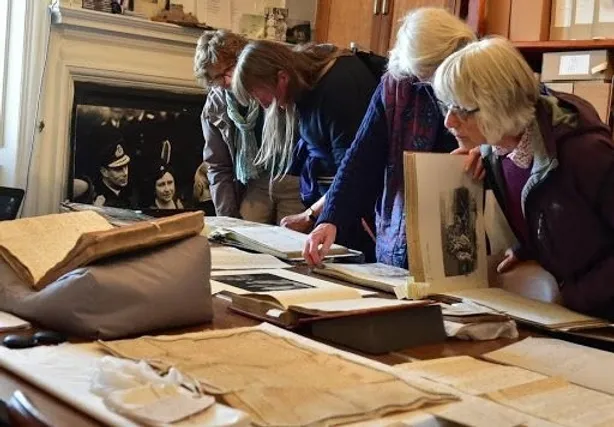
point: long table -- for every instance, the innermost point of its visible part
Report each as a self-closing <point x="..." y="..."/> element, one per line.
<point x="60" y="414"/>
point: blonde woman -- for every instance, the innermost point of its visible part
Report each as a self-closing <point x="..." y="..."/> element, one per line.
<point x="550" y="162"/>
<point x="233" y="134"/>
<point x="403" y="115"/>
<point x="326" y="91"/>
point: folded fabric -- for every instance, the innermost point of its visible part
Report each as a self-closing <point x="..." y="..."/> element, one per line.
<point x="136" y="391"/>
<point x="481" y="331"/>
<point x="126" y="295"/>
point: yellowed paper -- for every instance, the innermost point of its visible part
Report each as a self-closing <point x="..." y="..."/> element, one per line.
<point x="541" y="313"/>
<point x="279" y="381"/>
<point x="40" y="243"/>
<point x="479" y="412"/>
<point x="337" y="306"/>
<point x="578" y="364"/>
<point x="557" y="400"/>
<point x="229" y="258"/>
<point x="470" y="375"/>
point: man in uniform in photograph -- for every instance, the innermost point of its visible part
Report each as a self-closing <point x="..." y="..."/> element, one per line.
<point x="114" y="190"/>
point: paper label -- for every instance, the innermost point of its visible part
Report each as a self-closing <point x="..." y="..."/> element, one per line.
<point x="562" y="13"/>
<point x="584" y="11"/>
<point x="274" y="312"/>
<point x="606" y="11"/>
<point x="574" y="65"/>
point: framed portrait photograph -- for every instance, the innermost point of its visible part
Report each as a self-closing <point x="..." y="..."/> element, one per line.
<point x="137" y="149"/>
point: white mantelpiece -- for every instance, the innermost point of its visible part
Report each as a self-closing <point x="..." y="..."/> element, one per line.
<point x="89" y="46"/>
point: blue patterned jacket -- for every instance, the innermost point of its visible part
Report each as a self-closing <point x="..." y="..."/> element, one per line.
<point x="403" y="116"/>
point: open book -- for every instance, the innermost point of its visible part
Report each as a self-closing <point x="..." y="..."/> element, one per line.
<point x="445" y="226"/>
<point x="538" y="313"/>
<point x="42" y="249"/>
<point x="271" y="239"/>
<point x="383" y="277"/>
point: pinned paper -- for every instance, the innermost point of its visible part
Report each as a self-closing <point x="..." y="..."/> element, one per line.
<point x="584" y="11"/>
<point x="574" y="65"/>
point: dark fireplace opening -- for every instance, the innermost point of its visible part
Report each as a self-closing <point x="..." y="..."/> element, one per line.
<point x="137" y="149"/>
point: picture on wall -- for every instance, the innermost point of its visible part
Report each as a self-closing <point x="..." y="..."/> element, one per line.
<point x="138" y="150"/>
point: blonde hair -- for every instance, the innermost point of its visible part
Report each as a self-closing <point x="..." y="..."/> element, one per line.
<point x="257" y="68"/>
<point x="493" y="76"/>
<point x="427" y="36"/>
<point x="216" y="47"/>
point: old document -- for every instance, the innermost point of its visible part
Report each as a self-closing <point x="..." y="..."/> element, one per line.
<point x="581" y="365"/>
<point x="33" y="246"/>
<point x="540" y="313"/>
<point x="470" y="375"/>
<point x="479" y="412"/>
<point x="556" y="400"/>
<point x="277" y="379"/>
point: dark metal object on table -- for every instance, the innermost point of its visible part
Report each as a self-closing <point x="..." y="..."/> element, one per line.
<point x="18" y="411"/>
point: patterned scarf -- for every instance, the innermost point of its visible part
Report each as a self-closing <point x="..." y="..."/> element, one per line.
<point x="245" y="143"/>
<point x="522" y="154"/>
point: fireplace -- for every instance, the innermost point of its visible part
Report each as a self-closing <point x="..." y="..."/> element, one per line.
<point x="116" y="58"/>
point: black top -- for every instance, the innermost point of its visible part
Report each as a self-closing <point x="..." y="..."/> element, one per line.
<point x="330" y="114"/>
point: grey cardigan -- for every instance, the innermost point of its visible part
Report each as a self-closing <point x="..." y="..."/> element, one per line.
<point x="219" y="155"/>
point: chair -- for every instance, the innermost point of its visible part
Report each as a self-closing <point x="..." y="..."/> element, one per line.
<point x="10" y="202"/>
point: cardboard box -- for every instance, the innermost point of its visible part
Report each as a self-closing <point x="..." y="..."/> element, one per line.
<point x="566" y="87"/>
<point x="498" y="14"/>
<point x="599" y="94"/>
<point x="578" y="65"/>
<point x="530" y="20"/>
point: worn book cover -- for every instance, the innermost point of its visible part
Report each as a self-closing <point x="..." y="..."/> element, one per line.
<point x="42" y="249"/>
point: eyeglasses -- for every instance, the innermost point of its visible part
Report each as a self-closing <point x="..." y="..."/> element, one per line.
<point x="219" y="78"/>
<point x="462" y="113"/>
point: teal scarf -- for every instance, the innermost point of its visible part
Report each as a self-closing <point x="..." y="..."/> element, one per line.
<point x="245" y="144"/>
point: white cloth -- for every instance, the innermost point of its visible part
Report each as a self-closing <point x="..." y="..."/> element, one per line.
<point x="136" y="391"/>
<point x="481" y="331"/>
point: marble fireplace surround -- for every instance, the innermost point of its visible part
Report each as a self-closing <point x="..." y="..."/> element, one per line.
<point x="89" y="46"/>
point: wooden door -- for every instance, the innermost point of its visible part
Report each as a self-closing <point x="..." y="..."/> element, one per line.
<point x="401" y="7"/>
<point x="341" y="22"/>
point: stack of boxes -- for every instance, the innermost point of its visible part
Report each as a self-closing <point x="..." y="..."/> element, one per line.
<point x="587" y="74"/>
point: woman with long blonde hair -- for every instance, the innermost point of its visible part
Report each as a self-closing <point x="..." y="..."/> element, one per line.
<point x="325" y="91"/>
<point x="403" y="115"/>
<point x="233" y="134"/>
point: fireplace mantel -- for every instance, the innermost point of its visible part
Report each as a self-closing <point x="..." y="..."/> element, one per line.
<point x="116" y="50"/>
<point x="85" y="20"/>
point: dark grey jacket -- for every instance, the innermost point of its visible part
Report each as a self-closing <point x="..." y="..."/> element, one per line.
<point x="219" y="155"/>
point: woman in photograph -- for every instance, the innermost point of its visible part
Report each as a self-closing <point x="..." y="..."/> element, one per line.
<point x="549" y="161"/>
<point x="403" y="116"/>
<point x="165" y="190"/>
<point x="233" y="134"/>
<point x="326" y="91"/>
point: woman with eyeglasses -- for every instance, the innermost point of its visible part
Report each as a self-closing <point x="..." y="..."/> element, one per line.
<point x="549" y="161"/>
<point x="403" y="115"/>
<point x="233" y="136"/>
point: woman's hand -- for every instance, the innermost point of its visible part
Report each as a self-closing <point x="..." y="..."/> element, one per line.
<point x="473" y="163"/>
<point x="509" y="262"/>
<point x="318" y="243"/>
<point x="297" y="222"/>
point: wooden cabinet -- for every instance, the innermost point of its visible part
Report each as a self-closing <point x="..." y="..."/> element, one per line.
<point x="372" y="24"/>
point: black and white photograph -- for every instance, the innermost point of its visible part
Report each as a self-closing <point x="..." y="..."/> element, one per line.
<point x="458" y="212"/>
<point x="275" y="23"/>
<point x="139" y="152"/>
<point x="262" y="282"/>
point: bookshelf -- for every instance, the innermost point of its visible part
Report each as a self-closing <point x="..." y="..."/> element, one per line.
<point x="533" y="50"/>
